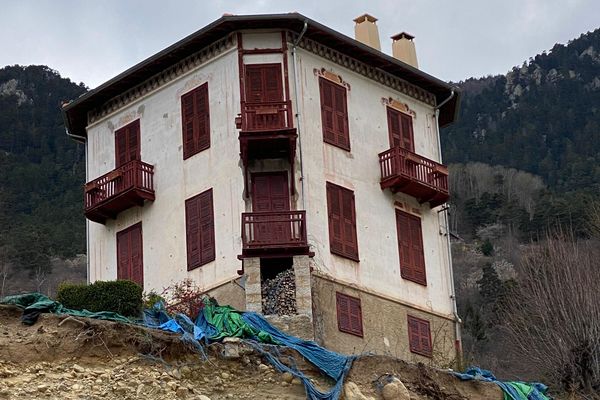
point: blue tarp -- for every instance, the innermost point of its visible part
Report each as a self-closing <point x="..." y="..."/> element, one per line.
<point x="512" y="390"/>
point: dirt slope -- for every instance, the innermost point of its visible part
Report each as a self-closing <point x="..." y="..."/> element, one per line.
<point x="66" y="358"/>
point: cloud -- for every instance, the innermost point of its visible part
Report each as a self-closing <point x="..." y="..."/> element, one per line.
<point x="94" y="41"/>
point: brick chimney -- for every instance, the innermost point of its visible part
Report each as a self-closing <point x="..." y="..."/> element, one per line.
<point x="366" y="31"/>
<point x="403" y="48"/>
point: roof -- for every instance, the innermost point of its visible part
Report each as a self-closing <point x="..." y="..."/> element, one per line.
<point x="75" y="112"/>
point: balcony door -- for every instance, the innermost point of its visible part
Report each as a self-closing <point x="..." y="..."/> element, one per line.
<point x="270" y="198"/>
<point x="400" y="126"/>
<point x="127" y="144"/>
<point x="264" y="107"/>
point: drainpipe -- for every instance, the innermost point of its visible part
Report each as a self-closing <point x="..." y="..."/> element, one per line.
<point x="87" y="222"/>
<point x="457" y="320"/>
<point x="298" y="120"/>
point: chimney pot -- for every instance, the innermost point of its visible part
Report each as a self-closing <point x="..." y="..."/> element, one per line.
<point x="403" y="48"/>
<point x="365" y="31"/>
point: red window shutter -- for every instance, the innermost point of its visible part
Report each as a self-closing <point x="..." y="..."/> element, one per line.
<point x="130" y="257"/>
<point x="334" y="114"/>
<point x="334" y="210"/>
<point x="410" y="247"/>
<point x="195" y="121"/>
<point x="207" y="227"/>
<point x="200" y="230"/>
<point x="349" y="314"/>
<point x="419" y="336"/>
<point x="349" y="223"/>
<point x="122" y="255"/>
<point x="341" y="116"/>
<point x="342" y="221"/>
<point x="400" y="127"/>
<point x="407" y="132"/>
<point x="273" y="87"/>
<point x="127" y="143"/>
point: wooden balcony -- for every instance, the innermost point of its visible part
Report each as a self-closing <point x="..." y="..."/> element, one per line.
<point x="274" y="234"/>
<point x="118" y="190"/>
<point x="266" y="130"/>
<point x="412" y="174"/>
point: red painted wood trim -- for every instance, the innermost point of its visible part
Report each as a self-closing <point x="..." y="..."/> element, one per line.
<point x="262" y="51"/>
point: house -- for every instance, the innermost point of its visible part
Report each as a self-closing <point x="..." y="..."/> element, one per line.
<point x="265" y="143"/>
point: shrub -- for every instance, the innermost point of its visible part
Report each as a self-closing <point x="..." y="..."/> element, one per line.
<point x="123" y="297"/>
<point x="487" y="248"/>
<point x="151" y="298"/>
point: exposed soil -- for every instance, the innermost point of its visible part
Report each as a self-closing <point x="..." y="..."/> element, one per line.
<point x="66" y="358"/>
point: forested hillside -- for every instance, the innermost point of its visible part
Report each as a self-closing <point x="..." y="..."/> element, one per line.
<point x="42" y="171"/>
<point x="542" y="118"/>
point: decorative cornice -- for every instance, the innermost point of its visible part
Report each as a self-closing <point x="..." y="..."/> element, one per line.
<point x="162" y="78"/>
<point x="368" y="71"/>
<point x="331" y="76"/>
<point x="398" y="105"/>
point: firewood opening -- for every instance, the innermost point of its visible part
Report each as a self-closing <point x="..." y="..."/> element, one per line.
<point x="278" y="286"/>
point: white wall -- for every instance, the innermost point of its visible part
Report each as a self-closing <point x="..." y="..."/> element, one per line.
<point x="175" y="180"/>
<point x="359" y="171"/>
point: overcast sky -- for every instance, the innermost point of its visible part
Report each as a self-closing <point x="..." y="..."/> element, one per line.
<point x="92" y="41"/>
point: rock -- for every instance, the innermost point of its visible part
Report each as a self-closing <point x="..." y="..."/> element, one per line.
<point x="225" y="375"/>
<point x="78" y="368"/>
<point x="263" y="368"/>
<point x="175" y="373"/>
<point x="203" y="397"/>
<point x="352" y="392"/>
<point x="182" y="392"/>
<point x="42" y="388"/>
<point x="395" y="390"/>
<point x="76" y="387"/>
<point x="287" y="377"/>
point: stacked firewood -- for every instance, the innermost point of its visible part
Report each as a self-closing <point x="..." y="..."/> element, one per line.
<point x="279" y="294"/>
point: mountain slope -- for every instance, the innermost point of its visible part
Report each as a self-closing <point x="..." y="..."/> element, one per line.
<point x="42" y="170"/>
<point x="543" y="118"/>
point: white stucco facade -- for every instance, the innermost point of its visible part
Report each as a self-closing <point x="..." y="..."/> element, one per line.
<point x="220" y="168"/>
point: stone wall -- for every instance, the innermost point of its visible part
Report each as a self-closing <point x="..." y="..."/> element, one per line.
<point x="385" y="329"/>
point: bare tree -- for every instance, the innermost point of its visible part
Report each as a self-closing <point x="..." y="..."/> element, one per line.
<point x="5" y="268"/>
<point x="40" y="274"/>
<point x="553" y="315"/>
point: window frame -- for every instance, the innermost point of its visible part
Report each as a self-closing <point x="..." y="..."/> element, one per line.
<point x="344" y="243"/>
<point x="200" y="141"/>
<point x="336" y="133"/>
<point x="190" y="204"/>
<point x="421" y="323"/>
<point x="356" y="331"/>
<point x="411" y="272"/>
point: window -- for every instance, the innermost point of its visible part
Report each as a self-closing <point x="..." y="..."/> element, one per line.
<point x="263" y="83"/>
<point x="334" y="114"/>
<point x="419" y="336"/>
<point x="410" y="247"/>
<point x="127" y="144"/>
<point x="130" y="254"/>
<point x="342" y="221"/>
<point x="195" y="121"/>
<point x="400" y="127"/>
<point x="349" y="314"/>
<point x="200" y="230"/>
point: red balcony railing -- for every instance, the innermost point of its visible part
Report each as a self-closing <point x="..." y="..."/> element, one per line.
<point x="265" y="116"/>
<point x="118" y="190"/>
<point x="407" y="172"/>
<point x="274" y="232"/>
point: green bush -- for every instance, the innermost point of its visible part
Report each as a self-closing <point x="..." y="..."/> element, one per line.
<point x="487" y="248"/>
<point x="123" y="297"/>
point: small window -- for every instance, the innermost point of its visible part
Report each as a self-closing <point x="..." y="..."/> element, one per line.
<point x="419" y="336"/>
<point x="195" y="121"/>
<point x="334" y="114"/>
<point x="342" y="222"/>
<point x="400" y="127"/>
<point x="127" y="144"/>
<point x="130" y="258"/>
<point x="410" y="247"/>
<point x="200" y="230"/>
<point x="349" y="314"/>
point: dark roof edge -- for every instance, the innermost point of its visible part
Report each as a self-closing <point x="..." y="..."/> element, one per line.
<point x="74" y="110"/>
